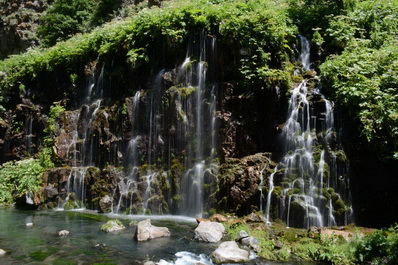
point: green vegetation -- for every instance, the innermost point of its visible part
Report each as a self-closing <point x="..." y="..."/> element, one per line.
<point x="17" y="178"/>
<point x="280" y="243"/>
<point x="257" y="29"/>
<point x="64" y="19"/>
<point x="364" y="78"/>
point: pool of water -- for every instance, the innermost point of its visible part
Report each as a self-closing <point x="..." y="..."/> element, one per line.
<point x="87" y="244"/>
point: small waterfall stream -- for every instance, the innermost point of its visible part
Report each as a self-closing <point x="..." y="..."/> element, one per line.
<point x="81" y="149"/>
<point x="308" y="198"/>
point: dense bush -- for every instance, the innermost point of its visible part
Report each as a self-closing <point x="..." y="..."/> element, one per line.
<point x="17" y="178"/>
<point x="380" y="247"/>
<point x="364" y="78"/>
<point x="64" y="19"/>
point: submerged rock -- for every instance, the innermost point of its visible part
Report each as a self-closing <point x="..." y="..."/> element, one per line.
<point x="29" y="224"/>
<point x="113" y="226"/>
<point x="63" y="233"/>
<point x="229" y="251"/>
<point x="2" y="252"/>
<point x="145" y="231"/>
<point x="209" y="232"/>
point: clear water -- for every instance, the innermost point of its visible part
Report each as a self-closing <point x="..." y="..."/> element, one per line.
<point x="86" y="244"/>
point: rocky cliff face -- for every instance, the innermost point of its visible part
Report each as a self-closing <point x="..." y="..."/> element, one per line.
<point x="180" y="138"/>
<point x="18" y="23"/>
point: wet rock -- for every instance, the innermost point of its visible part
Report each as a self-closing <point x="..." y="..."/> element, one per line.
<point x="63" y="233"/>
<point x="113" y="226"/>
<point x="149" y="263"/>
<point x="209" y="232"/>
<point x="106" y="204"/>
<point x="2" y="252"/>
<point x="229" y="251"/>
<point x="29" y="224"/>
<point x="252" y="243"/>
<point x="257" y="217"/>
<point x="239" y="183"/>
<point x="242" y="234"/>
<point x="50" y="192"/>
<point x="145" y="231"/>
<point x="218" y="218"/>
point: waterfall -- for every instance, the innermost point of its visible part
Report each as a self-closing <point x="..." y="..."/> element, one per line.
<point x="173" y="126"/>
<point x="81" y="151"/>
<point x="311" y="190"/>
<point x="29" y="134"/>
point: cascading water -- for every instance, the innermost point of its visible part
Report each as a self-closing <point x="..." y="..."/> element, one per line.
<point x="81" y="149"/>
<point x="314" y="192"/>
<point x="172" y="146"/>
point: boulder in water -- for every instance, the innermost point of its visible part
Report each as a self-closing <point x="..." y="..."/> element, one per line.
<point x="113" y="226"/>
<point x="63" y="233"/>
<point x="106" y="204"/>
<point x="229" y="251"/>
<point x="209" y="232"/>
<point x="145" y="231"/>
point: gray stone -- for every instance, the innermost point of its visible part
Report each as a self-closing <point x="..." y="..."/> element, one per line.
<point x="229" y="251"/>
<point x="63" y="233"/>
<point x="242" y="234"/>
<point x="209" y="232"/>
<point x="251" y="242"/>
<point x="50" y="192"/>
<point x="106" y="204"/>
<point x="145" y="231"/>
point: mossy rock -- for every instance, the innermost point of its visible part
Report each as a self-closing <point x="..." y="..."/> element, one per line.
<point x="112" y="226"/>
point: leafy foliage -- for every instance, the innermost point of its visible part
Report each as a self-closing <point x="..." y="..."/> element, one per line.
<point x="20" y="177"/>
<point x="64" y="19"/>
<point x="381" y="247"/>
<point x="364" y="78"/>
<point x="259" y="29"/>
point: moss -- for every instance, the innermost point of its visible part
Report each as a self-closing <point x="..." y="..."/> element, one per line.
<point x="64" y="262"/>
<point x="133" y="223"/>
<point x="181" y="90"/>
<point x="41" y="255"/>
<point x="111" y="224"/>
<point x="339" y="206"/>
